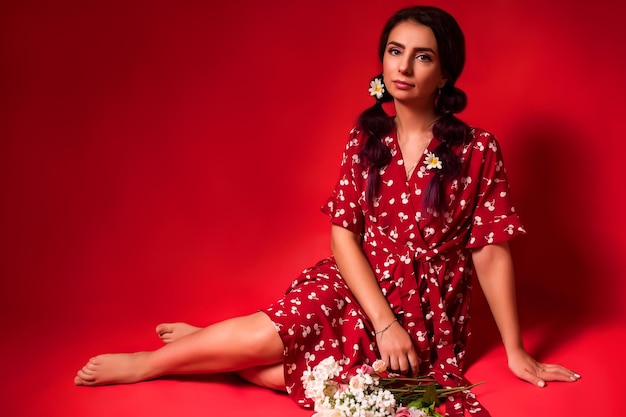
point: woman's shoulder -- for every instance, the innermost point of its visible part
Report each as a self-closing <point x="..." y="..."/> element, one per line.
<point x="356" y="140"/>
<point x="480" y="139"/>
<point x="482" y="149"/>
<point x="478" y="133"/>
<point x="353" y="146"/>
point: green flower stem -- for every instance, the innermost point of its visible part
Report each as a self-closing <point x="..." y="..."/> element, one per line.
<point x="414" y="387"/>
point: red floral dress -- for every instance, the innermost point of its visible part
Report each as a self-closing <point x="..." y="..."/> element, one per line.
<point x="422" y="261"/>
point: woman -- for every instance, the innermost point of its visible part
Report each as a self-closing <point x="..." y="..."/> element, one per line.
<point x="421" y="203"/>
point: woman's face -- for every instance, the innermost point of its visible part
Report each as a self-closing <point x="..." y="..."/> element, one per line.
<point x="411" y="67"/>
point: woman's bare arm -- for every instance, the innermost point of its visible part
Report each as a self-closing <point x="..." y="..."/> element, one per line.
<point x="394" y="343"/>
<point x="494" y="267"/>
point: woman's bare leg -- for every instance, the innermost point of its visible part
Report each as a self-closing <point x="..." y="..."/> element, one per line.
<point x="268" y="376"/>
<point x="232" y="345"/>
<point x="170" y="332"/>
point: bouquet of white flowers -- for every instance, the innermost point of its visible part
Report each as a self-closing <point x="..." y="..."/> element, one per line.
<point x="369" y="394"/>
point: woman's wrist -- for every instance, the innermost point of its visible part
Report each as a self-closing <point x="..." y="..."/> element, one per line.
<point x="384" y="329"/>
<point x="514" y="349"/>
<point x="382" y="319"/>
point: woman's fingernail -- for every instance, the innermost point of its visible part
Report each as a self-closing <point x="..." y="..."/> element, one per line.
<point x="576" y="375"/>
<point x="541" y="384"/>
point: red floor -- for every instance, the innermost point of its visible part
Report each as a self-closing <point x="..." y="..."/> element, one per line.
<point x="41" y="356"/>
<point x="38" y="382"/>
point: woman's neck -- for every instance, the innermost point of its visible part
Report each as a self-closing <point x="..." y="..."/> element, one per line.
<point x="414" y="122"/>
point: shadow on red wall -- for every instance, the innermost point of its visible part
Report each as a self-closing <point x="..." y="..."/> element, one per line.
<point x="559" y="287"/>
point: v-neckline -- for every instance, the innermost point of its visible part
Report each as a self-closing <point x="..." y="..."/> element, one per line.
<point x="414" y="182"/>
<point x="413" y="172"/>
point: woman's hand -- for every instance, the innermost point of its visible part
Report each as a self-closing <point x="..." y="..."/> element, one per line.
<point x="396" y="349"/>
<point x="394" y="343"/>
<point x="528" y="369"/>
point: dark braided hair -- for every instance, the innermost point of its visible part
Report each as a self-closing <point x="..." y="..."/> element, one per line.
<point x="448" y="129"/>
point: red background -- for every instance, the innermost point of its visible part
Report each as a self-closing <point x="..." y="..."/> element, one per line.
<point x="166" y="161"/>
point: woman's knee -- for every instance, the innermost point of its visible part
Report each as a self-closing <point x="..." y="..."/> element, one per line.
<point x="262" y="338"/>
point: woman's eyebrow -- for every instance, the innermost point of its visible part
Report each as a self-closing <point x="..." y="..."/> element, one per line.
<point x="418" y="49"/>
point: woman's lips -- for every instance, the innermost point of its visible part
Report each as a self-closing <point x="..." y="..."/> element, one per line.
<point x="402" y="85"/>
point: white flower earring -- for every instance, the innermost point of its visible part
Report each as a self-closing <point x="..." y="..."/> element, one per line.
<point x="377" y="88"/>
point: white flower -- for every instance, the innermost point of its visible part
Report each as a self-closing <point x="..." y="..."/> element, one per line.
<point x="361" y="397"/>
<point x="357" y="383"/>
<point x="330" y="388"/>
<point x="379" y="365"/>
<point x="377" y="88"/>
<point x="432" y="161"/>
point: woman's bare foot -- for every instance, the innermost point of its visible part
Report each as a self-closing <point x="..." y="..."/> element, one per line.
<point x="115" y="368"/>
<point x="170" y="332"/>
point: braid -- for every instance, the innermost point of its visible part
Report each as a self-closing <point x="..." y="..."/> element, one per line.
<point x="374" y="154"/>
<point x="451" y="131"/>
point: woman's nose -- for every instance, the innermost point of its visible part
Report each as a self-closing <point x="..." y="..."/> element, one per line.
<point x="405" y="66"/>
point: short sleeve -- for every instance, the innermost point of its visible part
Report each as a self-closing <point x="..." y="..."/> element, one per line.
<point x="494" y="219"/>
<point x="343" y="206"/>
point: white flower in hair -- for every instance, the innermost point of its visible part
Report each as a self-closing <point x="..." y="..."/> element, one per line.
<point x="432" y="161"/>
<point x="377" y="88"/>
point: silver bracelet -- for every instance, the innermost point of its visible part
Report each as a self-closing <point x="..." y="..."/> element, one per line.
<point x="385" y="329"/>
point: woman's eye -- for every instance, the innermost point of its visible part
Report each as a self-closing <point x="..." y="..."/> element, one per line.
<point x="423" y="57"/>
<point x="394" y="51"/>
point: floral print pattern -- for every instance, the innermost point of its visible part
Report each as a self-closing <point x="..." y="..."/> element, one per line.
<point x="421" y="258"/>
